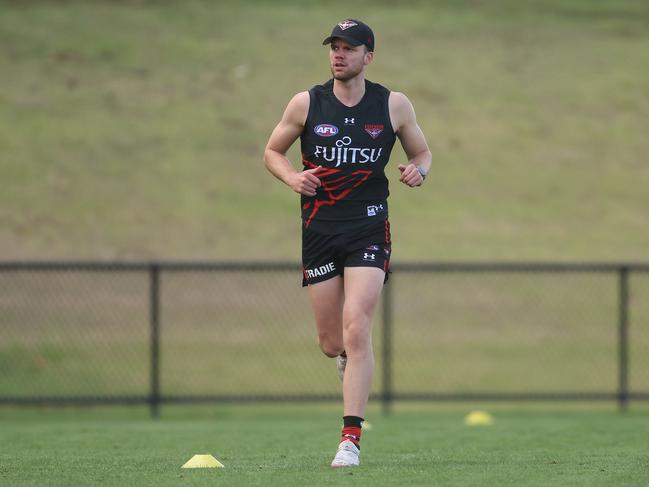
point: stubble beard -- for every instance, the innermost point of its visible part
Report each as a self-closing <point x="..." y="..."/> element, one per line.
<point x="345" y="76"/>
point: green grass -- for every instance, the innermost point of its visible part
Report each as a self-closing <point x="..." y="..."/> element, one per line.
<point x="136" y="129"/>
<point x="272" y="446"/>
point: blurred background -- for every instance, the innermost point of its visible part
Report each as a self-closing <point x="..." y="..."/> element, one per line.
<point x="133" y="131"/>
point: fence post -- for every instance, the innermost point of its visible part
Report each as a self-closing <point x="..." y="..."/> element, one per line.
<point x="623" y="339"/>
<point x="154" y="317"/>
<point x="386" y="394"/>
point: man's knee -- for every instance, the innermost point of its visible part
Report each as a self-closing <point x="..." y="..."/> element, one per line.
<point x="330" y="350"/>
<point x="330" y="345"/>
<point x="357" y="335"/>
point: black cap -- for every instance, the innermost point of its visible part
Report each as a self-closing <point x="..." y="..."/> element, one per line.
<point x="353" y="32"/>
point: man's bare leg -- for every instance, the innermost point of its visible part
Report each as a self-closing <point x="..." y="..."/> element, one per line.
<point x="362" y="290"/>
<point x="327" y="300"/>
<point x="363" y="287"/>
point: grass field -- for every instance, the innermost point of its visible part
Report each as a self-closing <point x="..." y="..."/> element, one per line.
<point x="135" y="129"/>
<point x="278" y="446"/>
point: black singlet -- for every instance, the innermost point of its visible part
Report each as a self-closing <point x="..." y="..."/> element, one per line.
<point x="353" y="146"/>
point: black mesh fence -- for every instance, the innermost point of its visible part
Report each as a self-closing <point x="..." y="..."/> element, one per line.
<point x="178" y="332"/>
<point x="74" y="333"/>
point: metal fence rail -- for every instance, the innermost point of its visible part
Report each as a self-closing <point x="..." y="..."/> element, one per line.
<point x="157" y="333"/>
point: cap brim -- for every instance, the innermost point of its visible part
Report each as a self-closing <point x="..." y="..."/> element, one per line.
<point x="348" y="40"/>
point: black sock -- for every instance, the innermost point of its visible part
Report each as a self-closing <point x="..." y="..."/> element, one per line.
<point x="353" y="421"/>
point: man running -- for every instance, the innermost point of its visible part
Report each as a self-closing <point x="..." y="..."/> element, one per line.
<point x="347" y="128"/>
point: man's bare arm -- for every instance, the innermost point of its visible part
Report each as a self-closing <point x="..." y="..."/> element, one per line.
<point x="284" y="135"/>
<point x="412" y="140"/>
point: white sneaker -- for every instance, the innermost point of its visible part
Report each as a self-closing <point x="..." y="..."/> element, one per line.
<point x="348" y="455"/>
<point x="341" y="363"/>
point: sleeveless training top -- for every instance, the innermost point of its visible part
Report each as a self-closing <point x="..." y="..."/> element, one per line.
<point x="353" y="145"/>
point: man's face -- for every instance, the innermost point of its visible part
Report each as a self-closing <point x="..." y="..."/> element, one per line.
<point x="348" y="61"/>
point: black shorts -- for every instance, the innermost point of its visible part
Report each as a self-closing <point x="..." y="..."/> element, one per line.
<point x="326" y="255"/>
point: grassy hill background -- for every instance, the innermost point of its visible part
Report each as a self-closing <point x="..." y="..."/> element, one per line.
<point x="135" y="130"/>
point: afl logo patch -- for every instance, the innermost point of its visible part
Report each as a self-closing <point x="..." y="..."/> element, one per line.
<point x="325" y="130"/>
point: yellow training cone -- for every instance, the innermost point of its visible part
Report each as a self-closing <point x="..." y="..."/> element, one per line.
<point x="478" y="418"/>
<point x="202" y="461"/>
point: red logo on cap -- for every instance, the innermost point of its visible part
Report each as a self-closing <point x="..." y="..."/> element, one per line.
<point x="346" y="24"/>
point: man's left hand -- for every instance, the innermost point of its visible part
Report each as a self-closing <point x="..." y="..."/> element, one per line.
<point x="410" y="175"/>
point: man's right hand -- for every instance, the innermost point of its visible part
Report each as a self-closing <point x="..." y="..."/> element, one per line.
<point x="306" y="182"/>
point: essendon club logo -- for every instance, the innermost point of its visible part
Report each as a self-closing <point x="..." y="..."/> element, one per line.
<point x="373" y="129"/>
<point x="325" y="130"/>
<point x="346" y="24"/>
